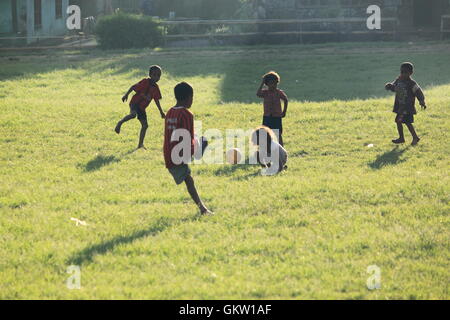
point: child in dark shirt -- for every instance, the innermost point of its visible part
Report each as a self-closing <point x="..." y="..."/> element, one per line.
<point x="406" y="91"/>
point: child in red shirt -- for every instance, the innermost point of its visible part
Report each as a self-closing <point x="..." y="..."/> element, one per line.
<point x="273" y="115"/>
<point x="146" y="91"/>
<point x="179" y="123"/>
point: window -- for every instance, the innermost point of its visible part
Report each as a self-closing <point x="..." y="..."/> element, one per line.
<point x="37" y="14"/>
<point x="58" y="9"/>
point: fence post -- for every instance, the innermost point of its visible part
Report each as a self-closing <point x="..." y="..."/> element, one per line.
<point x="394" y="34"/>
<point x="300" y="30"/>
<point x="442" y="28"/>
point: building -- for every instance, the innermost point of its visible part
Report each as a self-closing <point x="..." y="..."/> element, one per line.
<point x="33" y="19"/>
<point x="93" y="8"/>
<point x="410" y="13"/>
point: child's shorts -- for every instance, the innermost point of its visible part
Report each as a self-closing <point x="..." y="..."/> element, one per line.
<point x="180" y="173"/>
<point x="404" y="118"/>
<point x="141" y="114"/>
<point x="274" y="123"/>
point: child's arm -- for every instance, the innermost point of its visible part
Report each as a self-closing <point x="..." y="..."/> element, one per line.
<point x="125" y="97"/>
<point x="390" y="86"/>
<point x="420" y="96"/>
<point x="160" y="109"/>
<point x="286" y="102"/>
<point x="259" y="93"/>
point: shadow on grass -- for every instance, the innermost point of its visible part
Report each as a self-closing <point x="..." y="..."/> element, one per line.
<point x="101" y="161"/>
<point x="388" y="158"/>
<point x="229" y="170"/>
<point x="257" y="173"/>
<point x="310" y="77"/>
<point x="87" y="255"/>
<point x="301" y="153"/>
<point x="98" y="162"/>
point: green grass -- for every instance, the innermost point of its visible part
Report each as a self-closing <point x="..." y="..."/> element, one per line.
<point x="308" y="233"/>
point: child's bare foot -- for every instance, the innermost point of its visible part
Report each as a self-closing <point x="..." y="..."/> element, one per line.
<point x="204" y="211"/>
<point x="142" y="147"/>
<point x="117" y="129"/>
<point x="415" y="141"/>
<point x="399" y="140"/>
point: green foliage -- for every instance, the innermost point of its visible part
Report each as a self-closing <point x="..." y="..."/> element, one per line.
<point x="308" y="233"/>
<point x="204" y="9"/>
<point x="123" y="31"/>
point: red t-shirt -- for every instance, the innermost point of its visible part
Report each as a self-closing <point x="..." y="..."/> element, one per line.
<point x="177" y="118"/>
<point x="144" y="87"/>
<point x="272" y="102"/>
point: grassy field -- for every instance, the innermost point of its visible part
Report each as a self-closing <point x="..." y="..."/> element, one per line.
<point x="308" y="233"/>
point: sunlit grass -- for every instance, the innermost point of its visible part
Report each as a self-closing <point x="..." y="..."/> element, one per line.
<point x="310" y="232"/>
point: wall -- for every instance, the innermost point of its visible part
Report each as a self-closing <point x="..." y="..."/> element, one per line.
<point x="404" y="10"/>
<point x="304" y="9"/>
<point x="94" y="7"/>
<point x="50" y="25"/>
<point x="22" y="16"/>
<point x="6" y="21"/>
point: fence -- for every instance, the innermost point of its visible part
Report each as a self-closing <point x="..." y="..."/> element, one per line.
<point x="223" y="29"/>
<point x="444" y="31"/>
<point x="216" y="29"/>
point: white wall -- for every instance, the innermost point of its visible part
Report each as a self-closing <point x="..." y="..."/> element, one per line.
<point x="50" y="25"/>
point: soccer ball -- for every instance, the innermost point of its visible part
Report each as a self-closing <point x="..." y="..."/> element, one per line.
<point x="234" y="156"/>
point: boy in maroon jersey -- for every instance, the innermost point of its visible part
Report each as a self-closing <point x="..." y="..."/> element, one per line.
<point x="146" y="91"/>
<point x="179" y="123"/>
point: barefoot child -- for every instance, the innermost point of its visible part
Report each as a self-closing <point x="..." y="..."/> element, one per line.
<point x="273" y="115"/>
<point x="179" y="130"/>
<point x="270" y="154"/>
<point x="406" y="91"/>
<point x="146" y="91"/>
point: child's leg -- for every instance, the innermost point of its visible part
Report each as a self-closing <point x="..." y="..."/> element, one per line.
<point x="281" y="132"/>
<point x="258" y="159"/>
<point x="132" y="115"/>
<point x="399" y="122"/>
<point x="416" y="139"/>
<point x="281" y="139"/>
<point x="194" y="195"/>
<point x="144" y="127"/>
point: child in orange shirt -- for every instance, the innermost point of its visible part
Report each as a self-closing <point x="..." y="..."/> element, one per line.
<point x="146" y="91"/>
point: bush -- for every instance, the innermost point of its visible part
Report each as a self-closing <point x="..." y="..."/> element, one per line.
<point x="123" y="31"/>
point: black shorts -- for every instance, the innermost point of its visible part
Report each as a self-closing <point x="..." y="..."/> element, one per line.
<point x="274" y="123"/>
<point x="141" y="114"/>
<point x="180" y="173"/>
<point x="404" y="118"/>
